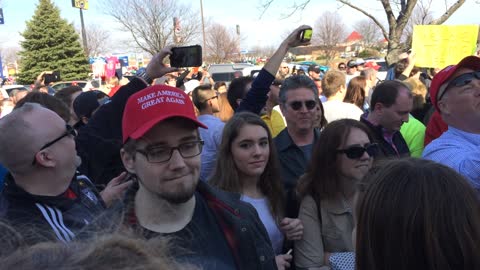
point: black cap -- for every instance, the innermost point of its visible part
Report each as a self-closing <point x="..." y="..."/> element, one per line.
<point x="87" y="102"/>
<point x="352" y="63"/>
<point x="314" y="68"/>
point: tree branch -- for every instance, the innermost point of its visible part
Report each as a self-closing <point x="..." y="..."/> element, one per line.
<point x="384" y="31"/>
<point x="392" y="23"/>
<point x="448" y="13"/>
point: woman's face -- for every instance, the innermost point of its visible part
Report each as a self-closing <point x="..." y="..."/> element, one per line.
<point x="251" y="150"/>
<point x="354" y="168"/>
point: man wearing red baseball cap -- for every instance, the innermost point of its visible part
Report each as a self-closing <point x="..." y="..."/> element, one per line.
<point x="162" y="145"/>
<point x="455" y="94"/>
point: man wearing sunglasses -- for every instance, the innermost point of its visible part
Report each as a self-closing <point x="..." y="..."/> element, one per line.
<point x="43" y="197"/>
<point x="455" y="94"/>
<point x="162" y="147"/>
<point x="206" y="101"/>
<point x="299" y="104"/>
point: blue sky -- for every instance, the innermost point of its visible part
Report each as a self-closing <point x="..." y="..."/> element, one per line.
<point x="269" y="30"/>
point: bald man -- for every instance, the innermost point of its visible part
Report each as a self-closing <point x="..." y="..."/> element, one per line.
<point x="44" y="198"/>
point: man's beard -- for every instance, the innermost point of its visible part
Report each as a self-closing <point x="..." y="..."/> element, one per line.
<point x="174" y="197"/>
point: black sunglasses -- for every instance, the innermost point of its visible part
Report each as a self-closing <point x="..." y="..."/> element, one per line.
<point x="70" y="131"/>
<point x="461" y="80"/>
<point x="342" y="67"/>
<point x="297" y="105"/>
<point x="356" y="152"/>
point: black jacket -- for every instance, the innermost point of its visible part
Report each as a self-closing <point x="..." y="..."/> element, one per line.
<point x="387" y="150"/>
<point x="239" y="221"/>
<point x="99" y="142"/>
<point x="63" y="217"/>
<point x="293" y="165"/>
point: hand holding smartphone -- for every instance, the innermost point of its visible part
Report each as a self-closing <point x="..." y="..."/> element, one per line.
<point x="306" y="35"/>
<point x="188" y="56"/>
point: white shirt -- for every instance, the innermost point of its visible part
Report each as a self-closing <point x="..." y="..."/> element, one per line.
<point x="335" y="109"/>
<point x="263" y="210"/>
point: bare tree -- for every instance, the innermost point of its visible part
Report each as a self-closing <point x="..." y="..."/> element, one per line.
<point x="97" y="39"/>
<point x="221" y="44"/>
<point x="421" y="15"/>
<point x="151" y="22"/>
<point x="398" y="13"/>
<point x="398" y="22"/>
<point x="370" y="32"/>
<point x="329" y="31"/>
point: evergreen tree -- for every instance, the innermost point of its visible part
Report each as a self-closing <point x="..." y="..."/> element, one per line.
<point x="51" y="44"/>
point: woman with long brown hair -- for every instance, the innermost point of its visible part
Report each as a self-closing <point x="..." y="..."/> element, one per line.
<point x="342" y="156"/>
<point x="247" y="164"/>
<point x="415" y="214"/>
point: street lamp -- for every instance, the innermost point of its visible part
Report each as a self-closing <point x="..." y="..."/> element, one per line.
<point x="203" y="28"/>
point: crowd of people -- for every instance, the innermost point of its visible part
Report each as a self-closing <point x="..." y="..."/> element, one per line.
<point x="283" y="170"/>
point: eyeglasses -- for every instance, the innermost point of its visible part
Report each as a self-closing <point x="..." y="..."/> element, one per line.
<point x="342" y="68"/>
<point x="164" y="154"/>
<point x="460" y="81"/>
<point x="356" y="152"/>
<point x="297" y="105"/>
<point x="70" y="131"/>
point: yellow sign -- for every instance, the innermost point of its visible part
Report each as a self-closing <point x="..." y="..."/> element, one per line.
<point x="442" y="45"/>
<point x="83" y="4"/>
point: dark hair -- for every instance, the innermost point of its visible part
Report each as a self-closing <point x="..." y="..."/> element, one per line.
<point x="200" y="96"/>
<point x="65" y="94"/>
<point x="226" y="175"/>
<point x="219" y="84"/>
<point x="321" y="179"/>
<point x="386" y="93"/>
<point x="237" y="90"/>
<point x="356" y="91"/>
<point x="417" y="214"/>
<point x="295" y="82"/>
<point x="47" y="101"/>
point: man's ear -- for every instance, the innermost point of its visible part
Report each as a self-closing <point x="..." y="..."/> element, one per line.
<point x="443" y="107"/>
<point x="128" y="161"/>
<point x="379" y="107"/>
<point x="45" y="159"/>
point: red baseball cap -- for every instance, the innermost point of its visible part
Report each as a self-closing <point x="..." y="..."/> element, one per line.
<point x="153" y="105"/>
<point x="442" y="78"/>
<point x="373" y="65"/>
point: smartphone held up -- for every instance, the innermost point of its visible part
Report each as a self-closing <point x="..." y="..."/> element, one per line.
<point x="188" y="56"/>
<point x="306" y="35"/>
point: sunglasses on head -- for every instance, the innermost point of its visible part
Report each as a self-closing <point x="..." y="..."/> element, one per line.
<point x="460" y="81"/>
<point x="356" y="152"/>
<point x="297" y="105"/>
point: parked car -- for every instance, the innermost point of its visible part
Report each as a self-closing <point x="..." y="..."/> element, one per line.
<point x="9" y="88"/>
<point x="60" y="85"/>
<point x="305" y="64"/>
<point x="382" y="71"/>
<point x="226" y="72"/>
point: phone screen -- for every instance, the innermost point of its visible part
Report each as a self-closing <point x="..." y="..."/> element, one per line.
<point x="189" y="56"/>
<point x="306" y="35"/>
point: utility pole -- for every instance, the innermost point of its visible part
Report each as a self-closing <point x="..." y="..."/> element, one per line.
<point x="84" y="33"/>
<point x="203" y="28"/>
<point x="82" y="5"/>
